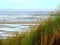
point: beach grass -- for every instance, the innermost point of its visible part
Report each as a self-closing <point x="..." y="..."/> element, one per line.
<point x="47" y="33"/>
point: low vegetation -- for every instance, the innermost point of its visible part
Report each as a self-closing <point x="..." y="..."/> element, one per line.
<point x="47" y="33"/>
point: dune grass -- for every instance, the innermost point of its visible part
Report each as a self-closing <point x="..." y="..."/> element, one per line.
<point x="47" y="33"/>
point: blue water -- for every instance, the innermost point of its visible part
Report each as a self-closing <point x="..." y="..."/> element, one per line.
<point x="17" y="27"/>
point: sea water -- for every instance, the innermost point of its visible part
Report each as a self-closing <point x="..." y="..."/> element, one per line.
<point x="6" y="28"/>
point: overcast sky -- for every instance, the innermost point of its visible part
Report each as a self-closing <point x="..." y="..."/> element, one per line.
<point x="29" y="4"/>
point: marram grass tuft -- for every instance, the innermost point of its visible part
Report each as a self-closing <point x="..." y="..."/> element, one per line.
<point x="47" y="33"/>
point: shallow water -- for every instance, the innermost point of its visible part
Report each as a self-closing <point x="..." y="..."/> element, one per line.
<point x="17" y="27"/>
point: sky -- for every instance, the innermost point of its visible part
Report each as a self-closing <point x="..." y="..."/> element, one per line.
<point x="29" y="4"/>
